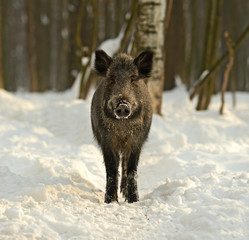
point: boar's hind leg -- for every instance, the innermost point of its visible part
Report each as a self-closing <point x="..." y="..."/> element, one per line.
<point x="132" y="193"/>
<point x="111" y="165"/>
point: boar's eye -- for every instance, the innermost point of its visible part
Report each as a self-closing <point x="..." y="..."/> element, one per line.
<point x="133" y="78"/>
<point x="111" y="80"/>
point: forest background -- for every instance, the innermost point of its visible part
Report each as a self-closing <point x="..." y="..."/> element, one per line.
<point x="46" y="44"/>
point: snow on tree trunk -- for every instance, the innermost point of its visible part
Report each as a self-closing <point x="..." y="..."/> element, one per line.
<point x="150" y="35"/>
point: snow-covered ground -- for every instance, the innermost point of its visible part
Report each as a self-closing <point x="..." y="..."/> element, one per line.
<point x="193" y="173"/>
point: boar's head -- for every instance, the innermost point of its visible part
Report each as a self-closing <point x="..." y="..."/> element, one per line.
<point x="124" y="91"/>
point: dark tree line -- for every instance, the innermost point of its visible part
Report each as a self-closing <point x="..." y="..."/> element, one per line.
<point x="42" y="42"/>
<point x="39" y="49"/>
<point x="205" y="23"/>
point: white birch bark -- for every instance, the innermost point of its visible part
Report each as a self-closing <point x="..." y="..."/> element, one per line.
<point x="150" y="35"/>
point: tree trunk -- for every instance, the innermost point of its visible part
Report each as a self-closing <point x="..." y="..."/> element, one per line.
<point x="31" y="46"/>
<point x="227" y="70"/>
<point x="109" y="19"/>
<point x="42" y="37"/>
<point x="150" y="35"/>
<point x="191" y="43"/>
<point x="73" y="51"/>
<point x="86" y="68"/>
<point x="130" y="26"/>
<point x="199" y="84"/>
<point x="175" y="46"/>
<point x="55" y="38"/>
<point x="63" y="53"/>
<point x="15" y="68"/>
<point x="210" y="50"/>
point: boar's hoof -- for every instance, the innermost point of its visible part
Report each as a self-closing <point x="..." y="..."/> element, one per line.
<point x="133" y="197"/>
<point x="122" y="110"/>
<point x="109" y="198"/>
<point x="123" y="188"/>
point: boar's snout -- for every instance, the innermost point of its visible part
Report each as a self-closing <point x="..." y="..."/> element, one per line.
<point x="122" y="110"/>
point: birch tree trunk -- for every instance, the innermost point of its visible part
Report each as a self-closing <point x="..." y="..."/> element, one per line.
<point x="150" y="35"/>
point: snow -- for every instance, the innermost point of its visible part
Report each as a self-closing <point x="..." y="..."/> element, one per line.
<point x="111" y="46"/>
<point x="64" y="33"/>
<point x="44" y="19"/>
<point x="193" y="173"/>
<point x="84" y="61"/>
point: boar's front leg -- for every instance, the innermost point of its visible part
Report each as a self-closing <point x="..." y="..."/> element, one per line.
<point x="132" y="193"/>
<point x="123" y="185"/>
<point x="111" y="165"/>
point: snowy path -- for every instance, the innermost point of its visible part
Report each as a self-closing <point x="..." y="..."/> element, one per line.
<point x="193" y="174"/>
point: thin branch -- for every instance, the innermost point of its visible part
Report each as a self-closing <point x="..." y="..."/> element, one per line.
<point x="198" y="84"/>
<point x="227" y="70"/>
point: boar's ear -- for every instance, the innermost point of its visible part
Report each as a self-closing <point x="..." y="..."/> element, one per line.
<point x="102" y="62"/>
<point x="144" y="63"/>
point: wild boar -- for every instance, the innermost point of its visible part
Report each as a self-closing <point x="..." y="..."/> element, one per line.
<point x="121" y="115"/>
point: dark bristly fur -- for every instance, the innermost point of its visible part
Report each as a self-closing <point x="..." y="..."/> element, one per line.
<point x="121" y="115"/>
